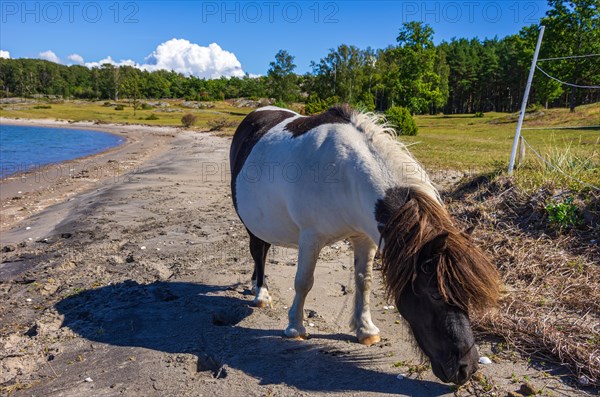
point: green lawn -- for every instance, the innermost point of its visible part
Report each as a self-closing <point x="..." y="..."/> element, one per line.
<point x="464" y="142"/>
<point x="96" y="111"/>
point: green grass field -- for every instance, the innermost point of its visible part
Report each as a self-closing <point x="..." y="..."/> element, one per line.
<point x="459" y="142"/>
<point x="483" y="145"/>
<point x="97" y="111"/>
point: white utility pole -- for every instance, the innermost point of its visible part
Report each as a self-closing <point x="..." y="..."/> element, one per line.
<point x="513" y="154"/>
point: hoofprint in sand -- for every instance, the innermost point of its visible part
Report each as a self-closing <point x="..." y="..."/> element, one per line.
<point x="140" y="285"/>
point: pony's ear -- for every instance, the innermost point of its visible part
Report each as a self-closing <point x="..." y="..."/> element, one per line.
<point x="439" y="242"/>
<point x="436" y="246"/>
<point x="469" y="230"/>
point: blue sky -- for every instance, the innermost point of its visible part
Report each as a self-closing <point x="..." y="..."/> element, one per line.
<point x="252" y="31"/>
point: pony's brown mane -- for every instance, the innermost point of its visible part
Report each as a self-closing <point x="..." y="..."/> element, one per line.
<point x="465" y="276"/>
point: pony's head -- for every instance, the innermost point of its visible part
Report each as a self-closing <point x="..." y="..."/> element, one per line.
<point x="436" y="275"/>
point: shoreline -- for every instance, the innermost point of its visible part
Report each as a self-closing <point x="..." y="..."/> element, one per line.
<point x="28" y="192"/>
<point x="41" y="123"/>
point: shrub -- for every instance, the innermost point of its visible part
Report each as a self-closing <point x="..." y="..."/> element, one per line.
<point x="401" y="120"/>
<point x="279" y="103"/>
<point x="152" y="117"/>
<point x="188" y="120"/>
<point x="565" y="214"/>
<point x="220" y="123"/>
<point x="478" y="114"/>
<point x="317" y="105"/>
<point x="119" y="107"/>
<point x="534" y="107"/>
<point x="107" y="104"/>
<point x="145" y="106"/>
<point x="42" y="107"/>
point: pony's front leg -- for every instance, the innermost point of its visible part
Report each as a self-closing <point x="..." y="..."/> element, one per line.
<point x="308" y="253"/>
<point x="364" y="252"/>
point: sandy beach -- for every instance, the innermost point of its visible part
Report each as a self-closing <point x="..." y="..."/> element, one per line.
<point x="129" y="274"/>
<point x="25" y="194"/>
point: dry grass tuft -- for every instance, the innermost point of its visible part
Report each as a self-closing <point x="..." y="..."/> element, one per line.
<point x="551" y="304"/>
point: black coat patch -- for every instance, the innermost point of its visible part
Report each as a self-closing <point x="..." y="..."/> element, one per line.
<point x="249" y="132"/>
<point x="336" y="115"/>
<point x="394" y="199"/>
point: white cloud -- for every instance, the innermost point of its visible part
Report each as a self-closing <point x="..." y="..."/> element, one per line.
<point x="192" y="59"/>
<point x="4" y="54"/>
<point x="78" y="59"/>
<point x="108" y="59"/>
<point x="49" y="56"/>
<point x="178" y="55"/>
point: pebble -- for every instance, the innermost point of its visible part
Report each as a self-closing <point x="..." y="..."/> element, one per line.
<point x="28" y="228"/>
<point x="311" y="324"/>
<point x="400" y="376"/>
<point x="88" y="379"/>
<point x="528" y="389"/>
<point x="143" y="247"/>
<point x="28" y="300"/>
<point x="388" y="307"/>
<point x="484" y="360"/>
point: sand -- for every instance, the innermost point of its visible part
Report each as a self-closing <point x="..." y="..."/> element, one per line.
<point x="137" y="283"/>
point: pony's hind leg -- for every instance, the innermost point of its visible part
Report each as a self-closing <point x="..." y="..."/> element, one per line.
<point x="308" y="253"/>
<point x="364" y="252"/>
<point x="258" y="250"/>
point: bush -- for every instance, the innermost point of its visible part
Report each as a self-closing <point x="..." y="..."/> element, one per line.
<point x="119" y="107"/>
<point x="280" y="104"/>
<point x="534" y="107"/>
<point x="401" y="120"/>
<point x="317" y="105"/>
<point x="220" y="123"/>
<point x="188" y="120"/>
<point x="107" y="104"/>
<point x="478" y="114"/>
<point x="563" y="215"/>
<point x="145" y="106"/>
<point x="152" y="117"/>
<point x="42" y="107"/>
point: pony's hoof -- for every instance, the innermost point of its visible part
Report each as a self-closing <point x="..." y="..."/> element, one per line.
<point x="295" y="334"/>
<point x="263" y="299"/>
<point x="370" y="340"/>
<point x="299" y="337"/>
<point x="262" y="304"/>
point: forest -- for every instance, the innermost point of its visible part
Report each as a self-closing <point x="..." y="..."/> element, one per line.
<point x="463" y="75"/>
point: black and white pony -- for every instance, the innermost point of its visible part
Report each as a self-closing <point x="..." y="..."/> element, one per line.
<point x="307" y="182"/>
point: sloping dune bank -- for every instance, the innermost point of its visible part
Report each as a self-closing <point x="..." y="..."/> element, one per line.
<point x="137" y="282"/>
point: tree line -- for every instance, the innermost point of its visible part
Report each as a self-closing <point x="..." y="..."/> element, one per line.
<point x="457" y="76"/>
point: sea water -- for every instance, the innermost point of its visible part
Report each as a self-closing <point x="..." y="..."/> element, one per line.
<point x="23" y="147"/>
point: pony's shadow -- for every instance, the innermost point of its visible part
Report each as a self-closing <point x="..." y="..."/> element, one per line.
<point x="203" y="320"/>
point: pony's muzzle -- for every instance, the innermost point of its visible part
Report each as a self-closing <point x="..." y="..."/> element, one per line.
<point x="467" y="366"/>
<point x="464" y="373"/>
<point x="458" y="371"/>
